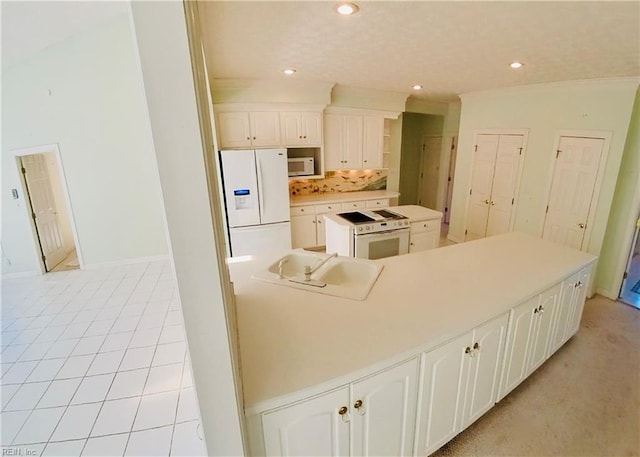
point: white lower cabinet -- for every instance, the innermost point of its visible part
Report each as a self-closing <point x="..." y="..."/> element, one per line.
<point x="424" y="235"/>
<point x="459" y="383"/>
<point x="371" y="417"/>
<point x="399" y="412"/>
<point x="313" y="427"/>
<point x="530" y="335"/>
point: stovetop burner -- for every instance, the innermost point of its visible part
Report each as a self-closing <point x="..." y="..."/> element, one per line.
<point x="356" y="217"/>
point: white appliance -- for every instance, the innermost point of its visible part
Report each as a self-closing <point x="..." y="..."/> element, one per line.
<point x="256" y="194"/>
<point x="367" y="234"/>
<point x="300" y="166"/>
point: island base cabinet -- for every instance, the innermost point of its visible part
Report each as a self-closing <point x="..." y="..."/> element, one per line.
<point x="384" y="410"/>
<point x="312" y="427"/>
<point x="371" y="417"/>
<point x="459" y="383"/>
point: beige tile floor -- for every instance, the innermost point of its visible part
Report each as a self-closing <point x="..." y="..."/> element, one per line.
<point x="94" y="362"/>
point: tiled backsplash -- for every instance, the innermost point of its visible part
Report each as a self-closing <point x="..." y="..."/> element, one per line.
<point x="340" y="181"/>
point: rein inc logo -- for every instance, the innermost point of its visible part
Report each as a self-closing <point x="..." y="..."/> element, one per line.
<point x="18" y="451"/>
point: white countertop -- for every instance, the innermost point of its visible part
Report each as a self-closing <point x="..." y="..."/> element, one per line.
<point x="292" y="339"/>
<point x="416" y="212"/>
<point x="319" y="199"/>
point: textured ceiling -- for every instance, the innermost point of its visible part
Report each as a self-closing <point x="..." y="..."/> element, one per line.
<point x="448" y="47"/>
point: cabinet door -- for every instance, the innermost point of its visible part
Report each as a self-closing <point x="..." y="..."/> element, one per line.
<point x="309" y="428"/>
<point x="234" y="130"/>
<point x="442" y="391"/>
<point x="423" y="241"/>
<point x="320" y="231"/>
<point x="563" y="309"/>
<point x="290" y="126"/>
<point x="333" y="142"/>
<point x="521" y="329"/>
<point x="544" y="326"/>
<point x="485" y="368"/>
<point x="373" y="137"/>
<point x="312" y="128"/>
<point x="352" y="141"/>
<point x="577" y="304"/>
<point x="384" y="422"/>
<point x="265" y="128"/>
<point x="303" y="231"/>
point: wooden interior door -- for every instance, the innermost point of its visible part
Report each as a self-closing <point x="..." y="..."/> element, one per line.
<point x="574" y="178"/>
<point x="43" y="209"/>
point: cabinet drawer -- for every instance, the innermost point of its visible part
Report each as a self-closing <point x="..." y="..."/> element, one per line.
<point x="382" y="203"/>
<point x="424" y="226"/>
<point x="354" y="205"/>
<point x="321" y="209"/>
<point x="302" y="210"/>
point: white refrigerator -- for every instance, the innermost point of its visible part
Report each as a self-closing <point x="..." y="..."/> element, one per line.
<point x="256" y="194"/>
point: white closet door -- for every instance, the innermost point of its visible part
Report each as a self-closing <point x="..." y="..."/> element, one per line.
<point x="481" y="181"/>
<point x="572" y="189"/>
<point x="505" y="180"/>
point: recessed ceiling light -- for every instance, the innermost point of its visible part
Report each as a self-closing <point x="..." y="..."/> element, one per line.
<point x="288" y="71"/>
<point x="347" y="9"/>
<point x="417" y="87"/>
<point x="516" y="64"/>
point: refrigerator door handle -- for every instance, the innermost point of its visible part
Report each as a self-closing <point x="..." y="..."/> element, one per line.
<point x="260" y="191"/>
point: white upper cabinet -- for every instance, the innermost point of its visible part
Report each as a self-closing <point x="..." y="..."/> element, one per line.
<point x="301" y="128"/>
<point x="237" y="129"/>
<point x="373" y="140"/>
<point x="353" y="141"/>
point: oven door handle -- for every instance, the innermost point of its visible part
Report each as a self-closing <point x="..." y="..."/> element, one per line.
<point x="385" y="232"/>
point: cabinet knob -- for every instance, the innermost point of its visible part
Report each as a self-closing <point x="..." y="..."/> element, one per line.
<point x="254" y="137"/>
<point x="343" y="410"/>
<point x="364" y="161"/>
<point x="487" y="201"/>
<point x="493" y="203"/>
<point x="476" y="346"/>
<point x="314" y="221"/>
<point x="535" y="310"/>
<point x="248" y="138"/>
<point x="304" y="137"/>
<point x="581" y="225"/>
<point x="467" y="350"/>
<point x="357" y="404"/>
<point x="541" y="309"/>
<point x="319" y="221"/>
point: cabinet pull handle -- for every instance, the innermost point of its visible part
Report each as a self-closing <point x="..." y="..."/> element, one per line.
<point x="344" y="414"/>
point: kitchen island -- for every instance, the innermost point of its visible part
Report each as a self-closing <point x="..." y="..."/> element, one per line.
<point x="303" y="351"/>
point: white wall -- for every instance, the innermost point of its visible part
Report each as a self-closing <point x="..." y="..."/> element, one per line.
<point x="83" y="94"/>
<point x="544" y="109"/>
<point x="196" y="237"/>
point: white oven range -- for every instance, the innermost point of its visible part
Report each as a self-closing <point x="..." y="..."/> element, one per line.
<point x="367" y="234"/>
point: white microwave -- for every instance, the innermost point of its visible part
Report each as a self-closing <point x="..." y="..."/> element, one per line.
<point x="300" y="166"/>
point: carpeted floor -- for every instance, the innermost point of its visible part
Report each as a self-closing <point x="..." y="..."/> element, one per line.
<point x="584" y="401"/>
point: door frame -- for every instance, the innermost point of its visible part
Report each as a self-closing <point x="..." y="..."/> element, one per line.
<point x="516" y="194"/>
<point x="593" y="134"/>
<point x="55" y="150"/>
<point x="450" y="175"/>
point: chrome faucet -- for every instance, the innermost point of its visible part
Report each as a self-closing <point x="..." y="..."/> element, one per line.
<point x="308" y="271"/>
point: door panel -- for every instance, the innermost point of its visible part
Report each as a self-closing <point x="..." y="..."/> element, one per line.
<point x="559" y="333"/>
<point x="481" y="181"/>
<point x="442" y="390"/>
<point x="520" y="336"/>
<point x="273" y="184"/>
<point x="240" y="187"/>
<point x="542" y="342"/>
<point x="309" y="428"/>
<point x="484" y="373"/>
<point x="572" y="188"/>
<point x="384" y="424"/>
<point x="44" y="207"/>
<point x="505" y="179"/>
<point x="265" y="128"/>
<point x="353" y="126"/>
<point x="333" y="141"/>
